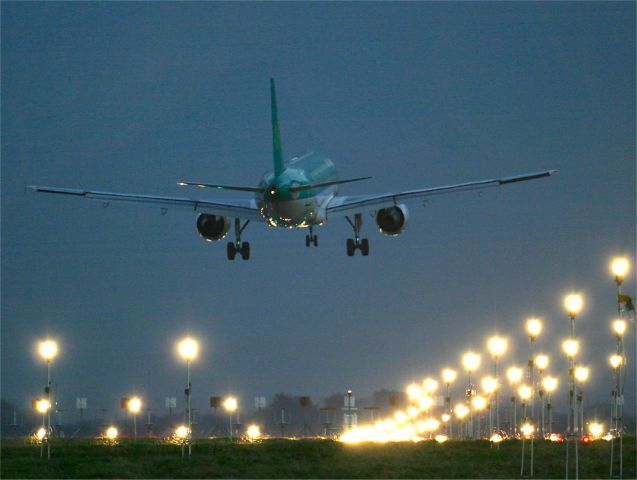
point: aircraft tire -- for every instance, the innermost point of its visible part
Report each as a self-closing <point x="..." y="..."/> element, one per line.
<point x="350" y="247"/>
<point x="245" y="250"/>
<point x="307" y="240"/>
<point x="315" y="239"/>
<point x="231" y="251"/>
<point x="365" y="247"/>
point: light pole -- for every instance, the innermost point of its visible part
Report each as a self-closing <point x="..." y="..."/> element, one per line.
<point x="448" y="377"/>
<point x="620" y="267"/>
<point x="42" y="406"/>
<point x="490" y="386"/>
<point x="188" y="348"/>
<point x="461" y="411"/>
<point x="549" y="384"/>
<point x="514" y="375"/>
<point x="571" y="348"/>
<point x="471" y="362"/>
<point x="541" y="362"/>
<point x="48" y="350"/>
<point x="497" y="347"/>
<point x="479" y="403"/>
<point x="134" y="406"/>
<point x="526" y="394"/>
<point x="581" y="375"/>
<point x="230" y="404"/>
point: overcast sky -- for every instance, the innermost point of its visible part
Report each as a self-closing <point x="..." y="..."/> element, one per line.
<point x="135" y="97"/>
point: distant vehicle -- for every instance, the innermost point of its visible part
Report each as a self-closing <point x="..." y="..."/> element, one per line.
<point x="299" y="193"/>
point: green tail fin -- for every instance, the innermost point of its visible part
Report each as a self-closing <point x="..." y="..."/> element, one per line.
<point x="276" y="134"/>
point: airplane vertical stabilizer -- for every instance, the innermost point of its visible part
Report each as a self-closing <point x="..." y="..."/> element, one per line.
<point x="276" y="134"/>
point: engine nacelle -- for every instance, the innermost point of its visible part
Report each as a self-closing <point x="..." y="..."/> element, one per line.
<point x="212" y="227"/>
<point x="393" y="221"/>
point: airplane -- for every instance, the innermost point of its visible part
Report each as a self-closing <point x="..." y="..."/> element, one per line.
<point x="301" y="192"/>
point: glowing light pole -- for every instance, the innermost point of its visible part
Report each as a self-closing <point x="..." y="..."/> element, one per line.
<point x="549" y="384"/>
<point x="514" y="375"/>
<point x="581" y="375"/>
<point x="479" y="403"/>
<point x="230" y="404"/>
<point x="42" y="406"/>
<point x="490" y="386"/>
<point x="471" y="362"/>
<point x="619" y="267"/>
<point x="461" y="411"/>
<point x="134" y="406"/>
<point x="497" y="347"/>
<point x="570" y="348"/>
<point x="526" y="394"/>
<point x="48" y="350"/>
<point x="448" y="377"/>
<point x="541" y="362"/>
<point x="188" y="349"/>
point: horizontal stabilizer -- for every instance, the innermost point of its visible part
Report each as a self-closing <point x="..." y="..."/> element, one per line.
<point x="301" y="188"/>
<point x="220" y="187"/>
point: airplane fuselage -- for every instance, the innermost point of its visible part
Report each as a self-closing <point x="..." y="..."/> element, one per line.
<point x="283" y="208"/>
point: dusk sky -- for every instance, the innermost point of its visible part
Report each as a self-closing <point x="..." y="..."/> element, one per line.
<point x="134" y="97"/>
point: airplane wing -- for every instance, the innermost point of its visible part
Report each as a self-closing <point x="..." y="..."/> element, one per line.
<point x="345" y="205"/>
<point x="245" y="208"/>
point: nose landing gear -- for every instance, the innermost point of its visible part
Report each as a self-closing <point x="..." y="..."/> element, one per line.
<point x="311" y="239"/>
<point x="242" y="248"/>
<point x="357" y="243"/>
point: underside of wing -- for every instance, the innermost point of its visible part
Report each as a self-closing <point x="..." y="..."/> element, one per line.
<point x="244" y="208"/>
<point x="345" y="205"/>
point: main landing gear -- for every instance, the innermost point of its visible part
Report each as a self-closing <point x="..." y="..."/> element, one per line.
<point x="242" y="248"/>
<point x="311" y="239"/>
<point x="357" y="242"/>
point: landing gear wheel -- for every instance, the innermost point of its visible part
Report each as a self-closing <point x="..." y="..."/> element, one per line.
<point x="307" y="240"/>
<point x="231" y="251"/>
<point x="350" y="247"/>
<point x="364" y="246"/>
<point x="245" y="250"/>
<point x="315" y="239"/>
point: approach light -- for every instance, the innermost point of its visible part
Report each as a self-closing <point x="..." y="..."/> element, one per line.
<point x="497" y="346"/>
<point x="41" y="434"/>
<point x="445" y="417"/>
<point x="253" y="432"/>
<point x="581" y="374"/>
<point x="430" y="385"/>
<point x="586" y="439"/>
<point x="541" y="362"/>
<point x="48" y="349"/>
<point x="432" y="424"/>
<point x="549" y="383"/>
<point x="556" y="438"/>
<point x="616" y="361"/>
<point x="400" y="416"/>
<point x="479" y="403"/>
<point x="514" y="375"/>
<point x="527" y="429"/>
<point x="619" y="327"/>
<point x="533" y="328"/>
<point x="496" y="438"/>
<point x="230" y="404"/>
<point x="188" y="349"/>
<point x="440" y="438"/>
<point x="471" y="361"/>
<point x="425" y="403"/>
<point x="461" y="410"/>
<point x="412" y="412"/>
<point x="525" y="392"/>
<point x="134" y="405"/>
<point x="181" y="432"/>
<point x="414" y="391"/>
<point x="596" y="429"/>
<point x="573" y="303"/>
<point x="570" y="348"/>
<point x="112" y="433"/>
<point x="42" y="405"/>
<point x="619" y="266"/>
<point x="489" y="384"/>
<point x="449" y="376"/>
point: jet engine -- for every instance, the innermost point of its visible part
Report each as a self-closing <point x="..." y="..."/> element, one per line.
<point x="393" y="221"/>
<point x="212" y="227"/>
